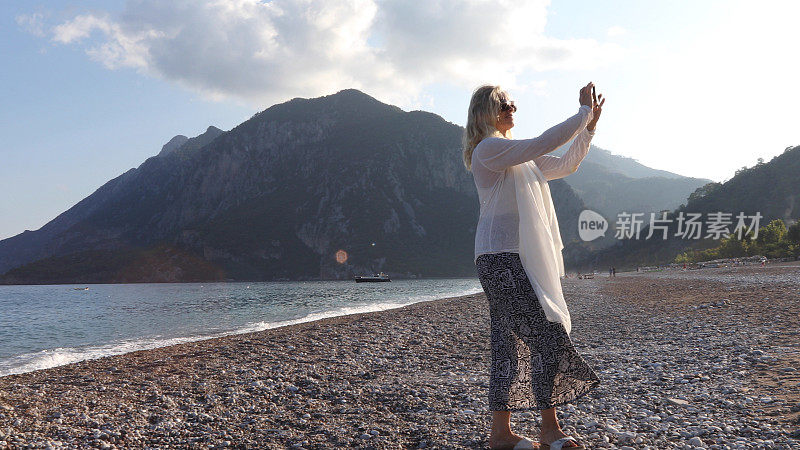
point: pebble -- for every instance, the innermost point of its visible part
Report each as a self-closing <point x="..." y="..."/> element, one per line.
<point x="416" y="377"/>
<point x="696" y="442"/>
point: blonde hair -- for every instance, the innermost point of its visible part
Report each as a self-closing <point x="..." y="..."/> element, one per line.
<point x="484" y="109"/>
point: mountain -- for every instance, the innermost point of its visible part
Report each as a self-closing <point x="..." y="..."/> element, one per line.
<point x="182" y="145"/>
<point x="321" y="188"/>
<point x="622" y="165"/>
<point x="281" y="196"/>
<point x="770" y="189"/>
<point x="173" y="145"/>
<point x="610" y="184"/>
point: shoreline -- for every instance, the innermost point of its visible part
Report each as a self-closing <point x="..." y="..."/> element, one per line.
<point x="214" y="339"/>
<point x="151" y="343"/>
<point x="680" y="358"/>
<point x="229" y="281"/>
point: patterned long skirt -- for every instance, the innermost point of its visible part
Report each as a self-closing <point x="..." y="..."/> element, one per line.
<point x="534" y="364"/>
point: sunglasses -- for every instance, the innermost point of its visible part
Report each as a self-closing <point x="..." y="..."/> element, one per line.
<point x="506" y="106"/>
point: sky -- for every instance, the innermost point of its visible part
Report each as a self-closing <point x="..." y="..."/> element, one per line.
<point x="90" y="89"/>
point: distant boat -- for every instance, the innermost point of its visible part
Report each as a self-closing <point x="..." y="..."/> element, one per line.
<point x="81" y="289"/>
<point x="377" y="278"/>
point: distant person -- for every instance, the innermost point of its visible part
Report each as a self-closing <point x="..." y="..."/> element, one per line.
<point x="610" y="272"/>
<point x="614" y="272"/>
<point x="519" y="263"/>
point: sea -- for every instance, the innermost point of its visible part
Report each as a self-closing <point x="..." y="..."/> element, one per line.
<point x="53" y="325"/>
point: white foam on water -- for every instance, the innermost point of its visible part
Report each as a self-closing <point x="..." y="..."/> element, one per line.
<point x="46" y="359"/>
<point x="346" y="311"/>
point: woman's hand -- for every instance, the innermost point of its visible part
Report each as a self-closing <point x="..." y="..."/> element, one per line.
<point x="585" y="97"/>
<point x="597" y="109"/>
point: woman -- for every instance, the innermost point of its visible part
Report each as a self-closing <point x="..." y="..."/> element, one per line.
<point x="518" y="259"/>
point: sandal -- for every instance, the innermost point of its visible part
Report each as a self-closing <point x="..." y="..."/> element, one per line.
<point x="525" y="444"/>
<point x="559" y="444"/>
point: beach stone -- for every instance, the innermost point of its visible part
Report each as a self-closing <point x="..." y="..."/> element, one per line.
<point x="626" y="436"/>
<point x="417" y="377"/>
<point x="696" y="442"/>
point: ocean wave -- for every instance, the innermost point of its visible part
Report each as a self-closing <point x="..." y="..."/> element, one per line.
<point x="60" y="356"/>
<point x="49" y="358"/>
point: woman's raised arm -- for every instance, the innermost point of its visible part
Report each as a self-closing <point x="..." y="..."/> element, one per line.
<point x="554" y="167"/>
<point x="497" y="154"/>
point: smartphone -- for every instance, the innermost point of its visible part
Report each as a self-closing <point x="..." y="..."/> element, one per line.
<point x="594" y="95"/>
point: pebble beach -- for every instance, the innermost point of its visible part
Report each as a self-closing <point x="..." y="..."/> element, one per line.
<point x="705" y="358"/>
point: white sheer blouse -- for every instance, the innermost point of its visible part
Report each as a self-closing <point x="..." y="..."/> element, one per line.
<point x="498" y="225"/>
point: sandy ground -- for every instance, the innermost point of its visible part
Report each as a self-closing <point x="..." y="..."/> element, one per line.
<point x="687" y="359"/>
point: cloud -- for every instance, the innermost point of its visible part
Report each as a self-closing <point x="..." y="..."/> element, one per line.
<point x="32" y="23"/>
<point x="80" y="27"/>
<point x="263" y="52"/>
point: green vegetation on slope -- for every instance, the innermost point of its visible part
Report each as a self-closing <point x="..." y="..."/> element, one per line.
<point x="773" y="240"/>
